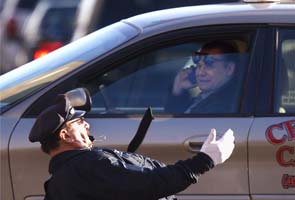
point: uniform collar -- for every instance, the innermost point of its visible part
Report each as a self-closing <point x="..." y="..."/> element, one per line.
<point x="57" y="161"/>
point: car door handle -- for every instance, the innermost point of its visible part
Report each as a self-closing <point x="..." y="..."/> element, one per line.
<point x="37" y="197"/>
<point x="194" y="143"/>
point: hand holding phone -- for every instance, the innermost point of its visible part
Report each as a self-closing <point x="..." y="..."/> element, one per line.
<point x="184" y="80"/>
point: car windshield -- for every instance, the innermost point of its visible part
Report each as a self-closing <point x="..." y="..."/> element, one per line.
<point x="25" y="80"/>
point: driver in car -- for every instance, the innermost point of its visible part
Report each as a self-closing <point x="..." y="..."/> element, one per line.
<point x="214" y="73"/>
<point x="80" y="171"/>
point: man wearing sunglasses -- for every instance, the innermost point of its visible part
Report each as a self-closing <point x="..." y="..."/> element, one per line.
<point x="80" y="171"/>
<point x="213" y="74"/>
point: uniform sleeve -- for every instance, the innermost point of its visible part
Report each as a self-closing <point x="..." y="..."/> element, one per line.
<point x="121" y="180"/>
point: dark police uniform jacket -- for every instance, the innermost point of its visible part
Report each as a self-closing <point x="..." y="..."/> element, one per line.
<point x="104" y="174"/>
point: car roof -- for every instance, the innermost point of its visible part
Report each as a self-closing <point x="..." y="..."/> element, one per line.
<point x="247" y="13"/>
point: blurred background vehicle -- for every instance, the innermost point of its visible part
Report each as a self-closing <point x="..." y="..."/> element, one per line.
<point x="95" y="14"/>
<point x="13" y="17"/>
<point x="49" y="27"/>
<point x="1" y="5"/>
<point x="14" y="14"/>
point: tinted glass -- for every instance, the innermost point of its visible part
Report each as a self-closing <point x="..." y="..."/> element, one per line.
<point x="149" y="79"/>
<point x="27" y="4"/>
<point x="58" y="24"/>
<point x="285" y="74"/>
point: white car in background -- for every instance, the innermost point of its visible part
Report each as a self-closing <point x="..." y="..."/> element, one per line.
<point x="12" y="19"/>
<point x="49" y="27"/>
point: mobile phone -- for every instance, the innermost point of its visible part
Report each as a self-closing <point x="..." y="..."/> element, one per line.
<point x="192" y="75"/>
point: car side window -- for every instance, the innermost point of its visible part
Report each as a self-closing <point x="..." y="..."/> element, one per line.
<point x="139" y="83"/>
<point x="148" y="80"/>
<point x="285" y="74"/>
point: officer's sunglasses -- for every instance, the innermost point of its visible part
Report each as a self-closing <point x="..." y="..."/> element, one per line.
<point x="208" y="59"/>
<point x="79" y="120"/>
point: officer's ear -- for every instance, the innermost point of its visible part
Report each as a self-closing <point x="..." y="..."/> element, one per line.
<point x="65" y="136"/>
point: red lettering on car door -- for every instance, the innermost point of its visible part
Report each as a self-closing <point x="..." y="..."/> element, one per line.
<point x="278" y="134"/>
<point x="281" y="158"/>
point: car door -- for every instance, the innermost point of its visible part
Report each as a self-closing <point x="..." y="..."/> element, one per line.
<point x="271" y="139"/>
<point x="125" y="84"/>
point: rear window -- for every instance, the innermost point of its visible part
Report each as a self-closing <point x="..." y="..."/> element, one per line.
<point x="27" y="4"/>
<point x="285" y="76"/>
<point x="58" y="24"/>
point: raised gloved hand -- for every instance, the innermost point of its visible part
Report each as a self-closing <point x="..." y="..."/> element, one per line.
<point x="219" y="150"/>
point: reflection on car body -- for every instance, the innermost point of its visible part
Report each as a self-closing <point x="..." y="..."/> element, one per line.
<point x="131" y="65"/>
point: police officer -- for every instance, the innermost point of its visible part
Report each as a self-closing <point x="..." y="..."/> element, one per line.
<point x="79" y="171"/>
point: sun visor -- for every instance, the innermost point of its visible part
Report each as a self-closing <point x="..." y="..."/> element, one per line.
<point x="80" y="99"/>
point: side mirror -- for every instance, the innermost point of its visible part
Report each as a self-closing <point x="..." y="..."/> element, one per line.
<point x="80" y="99"/>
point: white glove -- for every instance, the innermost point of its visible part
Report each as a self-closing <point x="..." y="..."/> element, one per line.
<point x="221" y="149"/>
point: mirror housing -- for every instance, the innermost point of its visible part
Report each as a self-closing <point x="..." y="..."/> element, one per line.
<point x="80" y="99"/>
